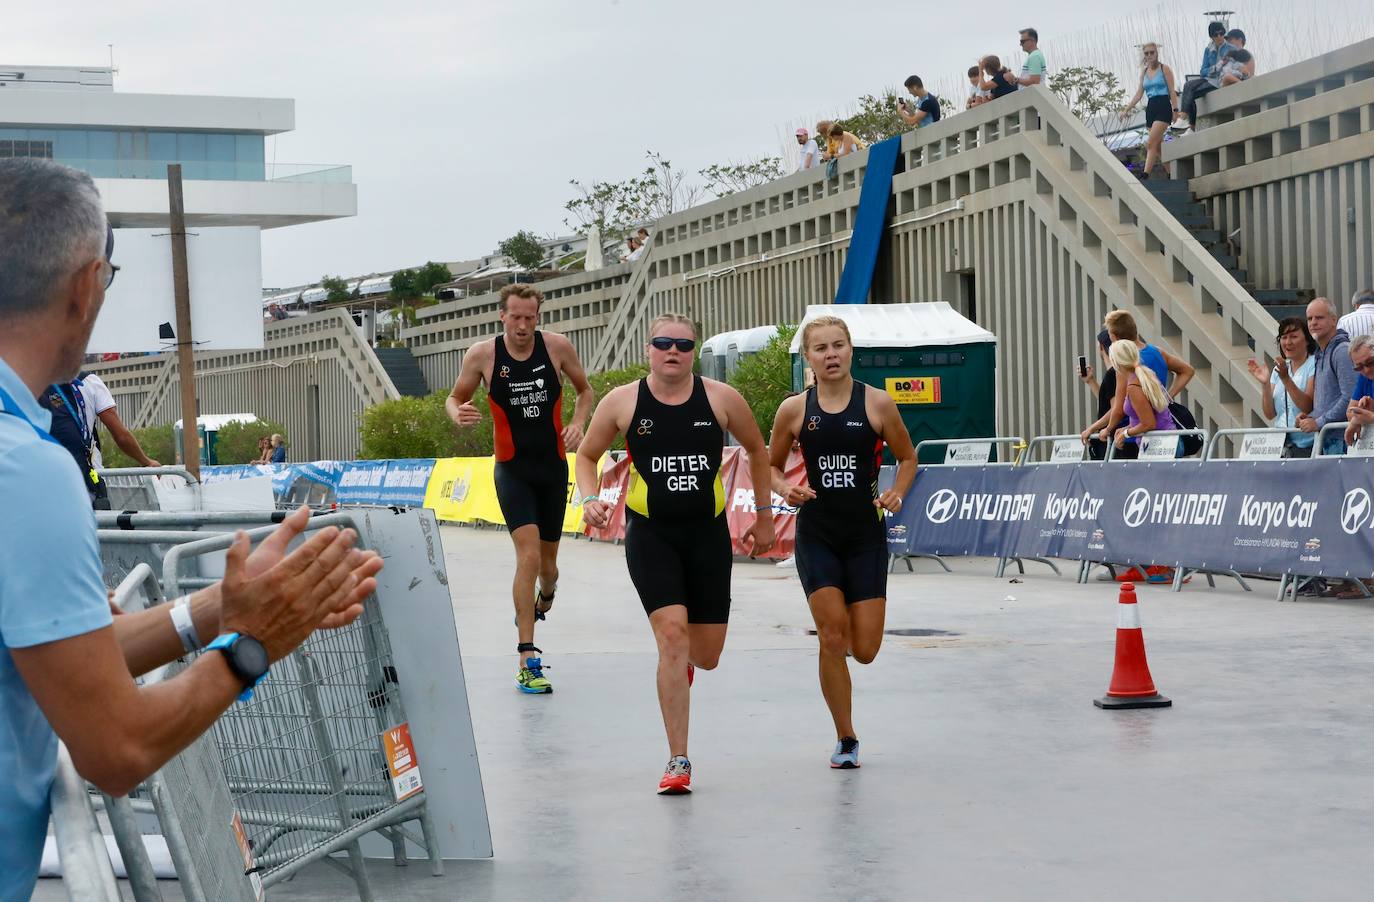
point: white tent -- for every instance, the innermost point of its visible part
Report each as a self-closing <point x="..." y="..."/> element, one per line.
<point x="900" y="325"/>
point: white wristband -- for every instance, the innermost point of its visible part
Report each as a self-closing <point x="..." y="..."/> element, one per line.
<point x="185" y="625"/>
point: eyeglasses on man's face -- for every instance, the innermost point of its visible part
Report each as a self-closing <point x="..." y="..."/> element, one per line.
<point x="109" y="280"/>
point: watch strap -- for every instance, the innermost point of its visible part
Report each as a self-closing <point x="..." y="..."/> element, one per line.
<point x="225" y="643"/>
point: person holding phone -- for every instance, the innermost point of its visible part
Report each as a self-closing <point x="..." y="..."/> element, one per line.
<point x="677" y="540"/>
<point x="1290" y="384"/>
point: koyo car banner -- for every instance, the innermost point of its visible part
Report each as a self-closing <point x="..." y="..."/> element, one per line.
<point x="1313" y="517"/>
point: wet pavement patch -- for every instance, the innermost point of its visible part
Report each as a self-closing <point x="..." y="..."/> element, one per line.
<point x="905" y="631"/>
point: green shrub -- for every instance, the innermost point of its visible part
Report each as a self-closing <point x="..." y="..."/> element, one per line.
<point x="156" y="442"/>
<point x="765" y="378"/>
<point x="420" y="427"/>
<point x="237" y="442"/>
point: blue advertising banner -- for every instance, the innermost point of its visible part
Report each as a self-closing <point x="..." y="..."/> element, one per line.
<point x="405" y="482"/>
<point x="1314" y="517"/>
<point x="361" y="482"/>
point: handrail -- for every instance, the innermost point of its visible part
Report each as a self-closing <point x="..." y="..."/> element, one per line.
<point x="1055" y="440"/>
<point x="1363" y="447"/>
<point x="1148" y="438"/>
<point x="151" y="471"/>
<point x="1015" y="441"/>
<point x="1213" y="443"/>
<point x="86" y="868"/>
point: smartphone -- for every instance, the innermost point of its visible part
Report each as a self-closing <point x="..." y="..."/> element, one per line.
<point x="1082" y="367"/>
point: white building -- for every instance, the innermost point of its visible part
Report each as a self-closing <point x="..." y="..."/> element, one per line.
<point x="125" y="141"/>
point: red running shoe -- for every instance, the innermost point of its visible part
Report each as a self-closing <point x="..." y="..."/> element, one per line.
<point x="677" y="778"/>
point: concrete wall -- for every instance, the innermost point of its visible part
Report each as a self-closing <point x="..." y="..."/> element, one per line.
<point x="1287" y="158"/>
<point x="316" y="375"/>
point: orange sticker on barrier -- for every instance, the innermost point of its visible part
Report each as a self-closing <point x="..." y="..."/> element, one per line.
<point x="401" y="762"/>
<point x="246" y="850"/>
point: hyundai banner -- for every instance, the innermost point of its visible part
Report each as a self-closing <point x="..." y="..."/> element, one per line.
<point x="1313" y="517"/>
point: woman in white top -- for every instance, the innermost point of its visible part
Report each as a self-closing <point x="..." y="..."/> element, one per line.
<point x="1290" y="384"/>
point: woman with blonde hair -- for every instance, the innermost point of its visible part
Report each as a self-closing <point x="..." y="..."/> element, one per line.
<point x="677" y="540"/>
<point x="1147" y="405"/>
<point x="1156" y="84"/>
<point x="841" y="552"/>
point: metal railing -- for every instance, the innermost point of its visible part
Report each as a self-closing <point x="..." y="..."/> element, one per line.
<point x="973" y="452"/>
<point x="1255" y="444"/>
<point x="1154" y="446"/>
<point x="1064" y="449"/>
<point x="86" y="868"/>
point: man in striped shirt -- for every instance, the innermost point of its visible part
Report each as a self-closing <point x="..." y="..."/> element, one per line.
<point x="1360" y="320"/>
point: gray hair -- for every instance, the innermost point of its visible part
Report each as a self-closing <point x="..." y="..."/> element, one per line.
<point x="1365" y="296"/>
<point x="1361" y="341"/>
<point x="51" y="223"/>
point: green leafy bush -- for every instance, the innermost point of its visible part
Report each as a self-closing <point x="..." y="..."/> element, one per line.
<point x="237" y="442"/>
<point x="420" y="427"/>
<point x="156" y="442"/>
<point x="765" y="378"/>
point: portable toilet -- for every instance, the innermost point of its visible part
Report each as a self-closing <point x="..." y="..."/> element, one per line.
<point x="939" y="367"/>
<point x="713" y="356"/>
<point x="745" y="342"/>
<point x="207" y="428"/>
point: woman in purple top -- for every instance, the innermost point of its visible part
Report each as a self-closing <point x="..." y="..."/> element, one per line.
<point x="1147" y="406"/>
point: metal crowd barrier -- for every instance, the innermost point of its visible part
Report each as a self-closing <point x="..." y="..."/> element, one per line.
<point x="132" y="488"/>
<point x="86" y="868"/>
<point x="296" y="774"/>
<point x="1363" y="447"/>
<point x="1064" y="449"/>
<point x="1154" y="448"/>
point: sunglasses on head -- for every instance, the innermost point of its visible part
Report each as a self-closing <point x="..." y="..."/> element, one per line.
<point x="663" y="343"/>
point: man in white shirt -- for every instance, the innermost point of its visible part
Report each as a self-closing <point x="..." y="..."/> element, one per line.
<point x="809" y="157"/>
<point x="1360" y="320"/>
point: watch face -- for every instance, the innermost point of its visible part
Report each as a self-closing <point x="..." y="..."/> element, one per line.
<point x="250" y="658"/>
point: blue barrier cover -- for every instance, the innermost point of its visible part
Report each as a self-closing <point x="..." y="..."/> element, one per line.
<point x="400" y="483"/>
<point x="405" y="482"/>
<point x="361" y="482"/>
<point x="1314" y="517"/>
<point x="869" y="223"/>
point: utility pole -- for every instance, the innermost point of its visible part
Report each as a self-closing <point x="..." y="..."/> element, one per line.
<point x="181" y="284"/>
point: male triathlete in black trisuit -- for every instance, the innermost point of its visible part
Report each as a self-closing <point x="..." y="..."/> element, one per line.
<point x="677" y="542"/>
<point x="523" y="370"/>
<point x="841" y="548"/>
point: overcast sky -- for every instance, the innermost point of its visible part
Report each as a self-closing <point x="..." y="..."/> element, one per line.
<point x="464" y="121"/>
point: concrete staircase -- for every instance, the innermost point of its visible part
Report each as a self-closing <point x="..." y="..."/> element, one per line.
<point x="405" y="373"/>
<point x="1174" y="195"/>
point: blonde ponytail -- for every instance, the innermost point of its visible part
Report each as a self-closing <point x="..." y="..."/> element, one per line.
<point x="1126" y="356"/>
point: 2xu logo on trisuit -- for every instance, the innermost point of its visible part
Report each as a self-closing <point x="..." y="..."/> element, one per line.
<point x="526" y="401"/>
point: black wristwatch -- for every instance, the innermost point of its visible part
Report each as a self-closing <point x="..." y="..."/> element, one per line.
<point x="247" y="659"/>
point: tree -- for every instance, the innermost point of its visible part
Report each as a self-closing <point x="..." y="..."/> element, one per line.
<point x="1088" y="92"/>
<point x="618" y="207"/>
<point x="336" y="290"/>
<point x="156" y="441"/>
<point x="430" y="275"/>
<point x="725" y="179"/>
<point x="524" y="248"/>
<point x="765" y="378"/>
<point x="875" y="119"/>
<point x="403" y="285"/>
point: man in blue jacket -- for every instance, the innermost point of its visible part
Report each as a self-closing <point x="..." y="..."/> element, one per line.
<point x="1335" y="377"/>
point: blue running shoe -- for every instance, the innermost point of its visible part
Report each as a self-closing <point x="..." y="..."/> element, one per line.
<point x="846" y="755"/>
<point x="532" y="679"/>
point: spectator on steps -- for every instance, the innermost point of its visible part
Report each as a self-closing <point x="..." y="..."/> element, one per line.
<point x="1000" y="82"/>
<point x="1120" y="326"/>
<point x="1209" y="77"/>
<point x="809" y="156"/>
<point x="1105" y="391"/>
<point x="842" y="143"/>
<point x="1156" y="84"/>
<point x="1033" y="70"/>
<point x="1360" y="320"/>
<point x="1335" y="378"/>
<point x="1359" y="411"/>
<point x="926" y="110"/>
<point x="1288" y="385"/>
<point x="977" y="94"/>
<point x="1239" y="67"/>
<point x="1146" y="404"/>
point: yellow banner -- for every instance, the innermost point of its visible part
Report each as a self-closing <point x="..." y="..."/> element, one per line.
<point x="914" y="389"/>
<point x="462" y="490"/>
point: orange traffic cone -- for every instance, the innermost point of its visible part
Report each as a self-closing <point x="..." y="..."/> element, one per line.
<point x="1132" y="686"/>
